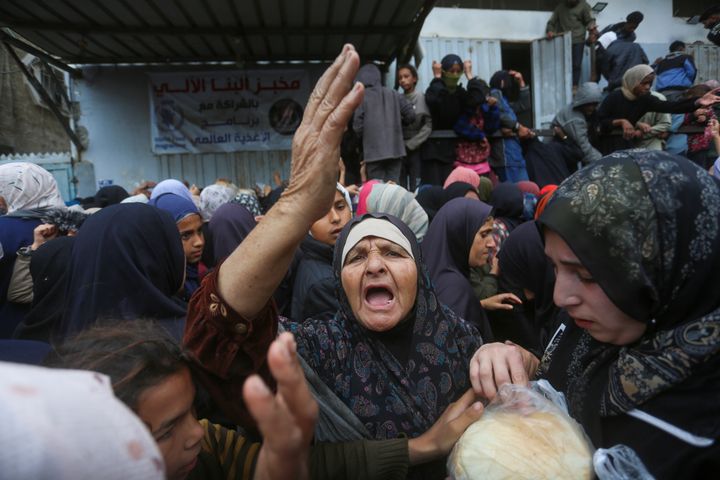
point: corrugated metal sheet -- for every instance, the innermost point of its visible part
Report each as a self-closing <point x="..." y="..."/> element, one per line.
<point x="111" y="31"/>
<point x="707" y="60"/>
<point x="485" y="55"/>
<point x="551" y="78"/>
<point x="244" y="168"/>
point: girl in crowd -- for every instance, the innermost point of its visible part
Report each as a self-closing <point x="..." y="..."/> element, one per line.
<point x="152" y="376"/>
<point x="314" y="286"/>
<point x="624" y="107"/>
<point x="190" y="226"/>
<point x="460" y="238"/>
<point x="416" y="133"/>
<point x="30" y="192"/>
<point x="634" y="241"/>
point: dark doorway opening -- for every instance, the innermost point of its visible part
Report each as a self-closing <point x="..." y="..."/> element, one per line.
<point x="518" y="56"/>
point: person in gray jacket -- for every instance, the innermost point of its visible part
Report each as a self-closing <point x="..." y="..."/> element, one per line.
<point x="573" y="119"/>
<point x="379" y="120"/>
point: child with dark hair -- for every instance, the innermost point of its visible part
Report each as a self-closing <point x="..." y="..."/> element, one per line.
<point x="151" y="374"/>
<point x="418" y="131"/>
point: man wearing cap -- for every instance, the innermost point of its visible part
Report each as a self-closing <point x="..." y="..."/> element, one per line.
<point x="573" y="120"/>
<point x="711" y="20"/>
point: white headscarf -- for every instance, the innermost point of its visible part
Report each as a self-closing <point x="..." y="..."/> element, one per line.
<point x="214" y="196"/>
<point x="68" y="424"/>
<point x="26" y="186"/>
<point x="632" y="79"/>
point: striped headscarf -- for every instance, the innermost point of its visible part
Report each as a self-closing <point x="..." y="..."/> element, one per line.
<point x="396" y="201"/>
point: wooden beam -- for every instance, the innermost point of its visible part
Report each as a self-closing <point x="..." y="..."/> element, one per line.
<point x="40" y="54"/>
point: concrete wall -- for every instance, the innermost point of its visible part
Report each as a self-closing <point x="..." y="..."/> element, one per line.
<point x="25" y="127"/>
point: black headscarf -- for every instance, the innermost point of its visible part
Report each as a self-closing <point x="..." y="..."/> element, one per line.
<point x="646" y="225"/>
<point x="508" y="203"/>
<point x="447" y="248"/>
<point x="106" y="196"/>
<point x="127" y="263"/>
<point x="49" y="267"/>
<point x="229" y="226"/>
<point x="431" y="198"/>
<point x="523" y="265"/>
<point x="458" y="190"/>
<point x="506" y="83"/>
<point x="390" y="395"/>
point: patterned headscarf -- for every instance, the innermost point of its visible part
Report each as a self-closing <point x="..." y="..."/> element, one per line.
<point x="646" y="225"/>
<point x="387" y="395"/>
<point x="212" y="197"/>
<point x="398" y="202"/>
<point x="249" y="200"/>
<point x="26" y="186"/>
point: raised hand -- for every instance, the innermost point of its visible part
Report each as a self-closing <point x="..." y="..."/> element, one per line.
<point x="286" y="419"/>
<point x="316" y="144"/>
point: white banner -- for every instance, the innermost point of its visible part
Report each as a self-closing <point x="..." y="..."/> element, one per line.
<point x="226" y="111"/>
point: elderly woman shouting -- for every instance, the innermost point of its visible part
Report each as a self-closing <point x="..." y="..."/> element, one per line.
<point x="392" y="359"/>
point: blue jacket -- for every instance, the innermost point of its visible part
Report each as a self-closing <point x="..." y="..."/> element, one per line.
<point x="676" y="71"/>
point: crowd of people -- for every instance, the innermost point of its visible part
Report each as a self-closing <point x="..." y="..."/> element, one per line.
<point x="354" y="320"/>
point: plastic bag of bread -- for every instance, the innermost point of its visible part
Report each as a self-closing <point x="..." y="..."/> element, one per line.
<point x="527" y="433"/>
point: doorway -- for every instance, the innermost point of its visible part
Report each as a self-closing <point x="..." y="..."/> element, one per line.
<point x="518" y="56"/>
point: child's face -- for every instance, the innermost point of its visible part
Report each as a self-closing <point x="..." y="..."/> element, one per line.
<point x="407" y="80"/>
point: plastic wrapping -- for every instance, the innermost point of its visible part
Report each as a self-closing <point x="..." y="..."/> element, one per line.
<point x="525" y="432"/>
<point x="619" y="463"/>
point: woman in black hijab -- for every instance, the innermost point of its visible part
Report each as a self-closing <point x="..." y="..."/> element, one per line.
<point x="127" y="263"/>
<point x="459" y="238"/>
<point x="635" y="240"/>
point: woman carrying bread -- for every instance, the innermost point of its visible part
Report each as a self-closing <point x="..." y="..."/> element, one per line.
<point x="635" y="242"/>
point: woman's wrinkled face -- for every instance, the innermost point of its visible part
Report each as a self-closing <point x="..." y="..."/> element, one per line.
<point x="407" y="80"/>
<point x="585" y="301"/>
<point x="192" y="237"/>
<point x="643" y="88"/>
<point x="328" y="228"/>
<point x="482" y="246"/>
<point x="380" y="280"/>
<point x="167" y="410"/>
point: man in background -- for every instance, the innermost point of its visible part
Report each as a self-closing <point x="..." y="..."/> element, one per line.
<point x="572" y="16"/>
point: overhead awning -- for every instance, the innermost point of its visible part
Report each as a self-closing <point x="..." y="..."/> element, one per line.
<point x="243" y="31"/>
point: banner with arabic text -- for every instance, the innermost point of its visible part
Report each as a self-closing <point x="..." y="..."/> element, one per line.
<point x="226" y="111"/>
